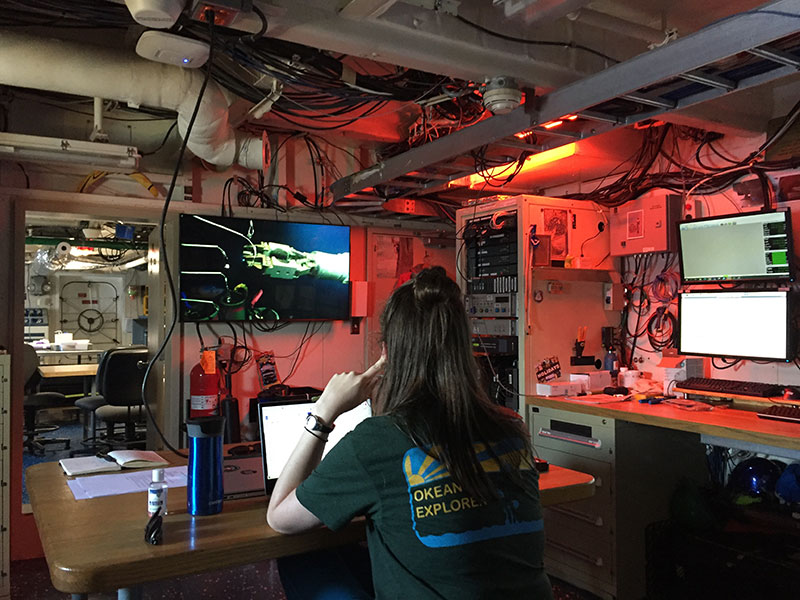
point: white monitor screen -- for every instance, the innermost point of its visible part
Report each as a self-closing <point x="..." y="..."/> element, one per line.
<point x="750" y="246"/>
<point x="282" y="424"/>
<point x="736" y="324"/>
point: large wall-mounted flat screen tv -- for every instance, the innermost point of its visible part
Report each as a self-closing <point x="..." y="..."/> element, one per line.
<point x="241" y="269"/>
<point x="740" y="247"/>
<point x="735" y="324"/>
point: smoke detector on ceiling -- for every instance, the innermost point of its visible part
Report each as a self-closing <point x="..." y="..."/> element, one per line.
<point x="158" y="14"/>
<point x="172" y="49"/>
<point x="501" y="95"/>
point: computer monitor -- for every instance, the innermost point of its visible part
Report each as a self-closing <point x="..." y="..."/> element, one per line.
<point x="243" y="269"/>
<point x="741" y="247"/>
<point x="735" y="324"/>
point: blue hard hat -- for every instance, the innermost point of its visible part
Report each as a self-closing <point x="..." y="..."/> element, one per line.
<point x="754" y="477"/>
<point x="788" y="486"/>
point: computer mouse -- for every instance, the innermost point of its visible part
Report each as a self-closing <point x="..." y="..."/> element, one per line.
<point x="619" y="390"/>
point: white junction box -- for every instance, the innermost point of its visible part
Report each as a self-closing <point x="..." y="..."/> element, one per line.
<point x="646" y="224"/>
<point x="559" y="388"/>
<point x="592" y="382"/>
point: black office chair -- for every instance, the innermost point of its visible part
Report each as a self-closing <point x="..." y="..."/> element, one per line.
<point x="36" y="401"/>
<point x="88" y="405"/>
<point x="120" y="384"/>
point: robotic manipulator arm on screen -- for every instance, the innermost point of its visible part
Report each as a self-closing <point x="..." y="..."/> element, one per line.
<point x="284" y="262"/>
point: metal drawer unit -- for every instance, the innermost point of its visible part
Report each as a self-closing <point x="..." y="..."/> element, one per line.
<point x="598" y="543"/>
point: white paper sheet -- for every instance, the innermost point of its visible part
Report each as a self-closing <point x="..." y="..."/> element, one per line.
<point x="598" y="398"/>
<point x="126" y="482"/>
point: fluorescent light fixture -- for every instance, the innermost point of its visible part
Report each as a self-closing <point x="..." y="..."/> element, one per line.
<point x="531" y="163"/>
<point x="32" y="148"/>
<point x="79" y="265"/>
<point x="136" y="262"/>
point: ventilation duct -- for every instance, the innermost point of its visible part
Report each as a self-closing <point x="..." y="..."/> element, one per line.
<point x="83" y="70"/>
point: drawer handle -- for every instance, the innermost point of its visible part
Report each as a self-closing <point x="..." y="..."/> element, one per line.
<point x="569" y="437"/>
<point x="597" y="562"/>
<point x="576" y="514"/>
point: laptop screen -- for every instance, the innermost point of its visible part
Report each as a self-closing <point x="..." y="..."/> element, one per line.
<point x="281" y="424"/>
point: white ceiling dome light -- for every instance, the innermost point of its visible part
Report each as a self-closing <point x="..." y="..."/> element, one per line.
<point x="172" y="49"/>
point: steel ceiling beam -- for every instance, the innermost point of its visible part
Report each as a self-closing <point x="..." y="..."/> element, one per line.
<point x="739" y="33"/>
<point x="422" y="39"/>
<point x="711" y="44"/>
<point x="440" y="149"/>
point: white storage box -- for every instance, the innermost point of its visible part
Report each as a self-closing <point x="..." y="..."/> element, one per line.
<point x="559" y="388"/>
<point x="592" y="382"/>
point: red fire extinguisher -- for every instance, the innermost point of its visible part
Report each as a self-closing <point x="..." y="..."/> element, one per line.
<point x="204" y="387"/>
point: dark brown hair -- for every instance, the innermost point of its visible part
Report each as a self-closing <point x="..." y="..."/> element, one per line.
<point x="431" y="383"/>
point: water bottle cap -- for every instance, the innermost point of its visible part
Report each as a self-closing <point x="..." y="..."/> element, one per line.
<point x="205" y="426"/>
<point x="158" y="475"/>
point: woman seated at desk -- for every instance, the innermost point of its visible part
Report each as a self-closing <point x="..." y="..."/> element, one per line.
<point x="443" y="476"/>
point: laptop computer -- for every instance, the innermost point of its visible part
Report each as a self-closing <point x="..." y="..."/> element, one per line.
<point x="280" y="424"/>
<point x="242" y="477"/>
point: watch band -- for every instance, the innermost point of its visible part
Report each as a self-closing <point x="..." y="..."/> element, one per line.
<point x="316" y="435"/>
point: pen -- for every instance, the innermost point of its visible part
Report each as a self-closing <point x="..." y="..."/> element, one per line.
<point x="105" y="457"/>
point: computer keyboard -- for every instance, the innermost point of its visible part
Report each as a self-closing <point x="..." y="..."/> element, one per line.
<point x="731" y="386"/>
<point x="781" y="412"/>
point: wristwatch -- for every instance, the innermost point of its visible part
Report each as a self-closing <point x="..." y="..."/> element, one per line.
<point x="314" y="423"/>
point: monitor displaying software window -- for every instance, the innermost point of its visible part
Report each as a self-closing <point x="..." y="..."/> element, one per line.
<point x="741" y="247"/>
<point x="281" y="424"/>
<point x="735" y="324"/>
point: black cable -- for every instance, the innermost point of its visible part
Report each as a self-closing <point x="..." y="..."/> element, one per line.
<point x="163" y="141"/>
<point x="25" y="173"/>
<point x="199" y="335"/>
<point x="600" y="229"/>
<point x="163" y="245"/>
<point x="662" y="329"/>
<point x="727" y="364"/>
<point x="509" y="38"/>
<point x="260" y="33"/>
<point x="642" y="294"/>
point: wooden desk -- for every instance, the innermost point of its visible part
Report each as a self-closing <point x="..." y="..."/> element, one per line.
<point x="49" y="371"/>
<point x="720" y="421"/>
<point x="87" y="372"/>
<point x="79" y="354"/>
<point x="98" y="544"/>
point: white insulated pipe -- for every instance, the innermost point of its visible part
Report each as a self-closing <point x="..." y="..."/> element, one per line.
<point x="98" y="114"/>
<point x="83" y="70"/>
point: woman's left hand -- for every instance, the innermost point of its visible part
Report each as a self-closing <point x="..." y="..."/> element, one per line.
<point x="345" y="391"/>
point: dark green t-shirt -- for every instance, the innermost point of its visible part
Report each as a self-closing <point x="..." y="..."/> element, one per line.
<point x="427" y="538"/>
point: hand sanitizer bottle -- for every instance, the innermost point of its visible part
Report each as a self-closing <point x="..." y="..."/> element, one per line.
<point x="157" y="494"/>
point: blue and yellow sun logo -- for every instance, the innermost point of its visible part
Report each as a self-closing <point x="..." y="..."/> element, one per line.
<point x="422" y="468"/>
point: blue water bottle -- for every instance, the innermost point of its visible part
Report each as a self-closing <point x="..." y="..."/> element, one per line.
<point x="204" y="485"/>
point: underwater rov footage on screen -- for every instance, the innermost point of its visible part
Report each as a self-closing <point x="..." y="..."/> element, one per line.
<point x="239" y="269"/>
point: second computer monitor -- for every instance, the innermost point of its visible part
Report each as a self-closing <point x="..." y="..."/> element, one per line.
<point x="735" y="324"/>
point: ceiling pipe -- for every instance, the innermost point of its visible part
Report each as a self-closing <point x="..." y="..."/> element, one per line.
<point x="610" y="23"/>
<point x="83" y="70"/>
<point x="98" y="133"/>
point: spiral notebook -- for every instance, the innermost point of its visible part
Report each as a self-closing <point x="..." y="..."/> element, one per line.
<point x="113" y="461"/>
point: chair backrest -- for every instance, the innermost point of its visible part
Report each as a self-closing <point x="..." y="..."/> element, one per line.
<point x="30" y="366"/>
<point x="120" y="376"/>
